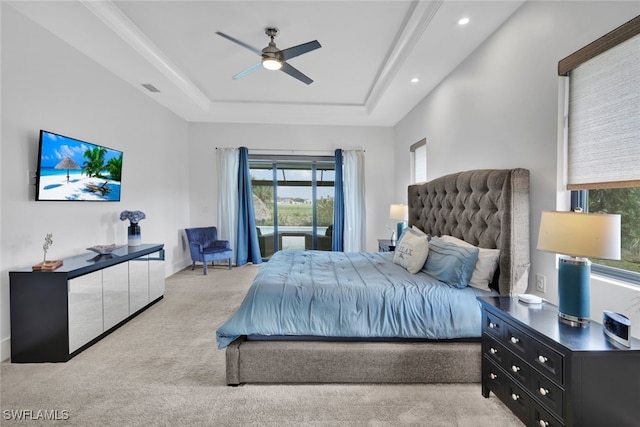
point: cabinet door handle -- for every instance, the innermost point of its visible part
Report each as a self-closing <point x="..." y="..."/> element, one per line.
<point x="493" y="376"/>
<point x="543" y="391"/>
<point x="515" y="368"/>
<point x="514" y="340"/>
<point x="492" y="325"/>
<point x="515" y="396"/>
<point x="493" y="351"/>
<point x="543" y="423"/>
<point x="542" y="359"/>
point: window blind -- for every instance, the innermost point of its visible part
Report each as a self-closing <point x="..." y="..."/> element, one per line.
<point x="604" y="119"/>
<point x="419" y="150"/>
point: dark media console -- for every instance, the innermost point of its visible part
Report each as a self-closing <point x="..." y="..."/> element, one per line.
<point x="57" y="314"/>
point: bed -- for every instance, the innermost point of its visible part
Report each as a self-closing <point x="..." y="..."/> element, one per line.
<point x="313" y="338"/>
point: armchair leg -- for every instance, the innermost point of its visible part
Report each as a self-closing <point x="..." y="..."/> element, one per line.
<point x="229" y="263"/>
<point x="204" y="268"/>
<point x="193" y="266"/>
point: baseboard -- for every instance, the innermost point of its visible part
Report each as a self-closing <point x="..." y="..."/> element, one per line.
<point x="179" y="266"/>
<point x="5" y="349"/>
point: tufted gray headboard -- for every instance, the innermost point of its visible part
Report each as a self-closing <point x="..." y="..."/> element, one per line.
<point x="488" y="208"/>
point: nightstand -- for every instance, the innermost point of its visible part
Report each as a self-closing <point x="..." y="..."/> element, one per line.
<point x="386" y="245"/>
<point x="551" y="374"/>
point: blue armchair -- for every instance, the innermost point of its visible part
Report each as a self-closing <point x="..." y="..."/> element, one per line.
<point x="205" y="247"/>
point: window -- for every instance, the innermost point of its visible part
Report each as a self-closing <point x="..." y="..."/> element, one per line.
<point x="626" y="202"/>
<point x="293" y="201"/>
<point x="419" y="161"/>
<point x="603" y="155"/>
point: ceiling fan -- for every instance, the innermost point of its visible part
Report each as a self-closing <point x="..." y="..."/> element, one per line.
<point x="274" y="58"/>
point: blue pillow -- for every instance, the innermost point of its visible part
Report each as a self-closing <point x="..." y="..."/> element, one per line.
<point x="450" y="263"/>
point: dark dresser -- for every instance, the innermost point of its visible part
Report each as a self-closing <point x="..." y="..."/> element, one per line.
<point x="551" y="374"/>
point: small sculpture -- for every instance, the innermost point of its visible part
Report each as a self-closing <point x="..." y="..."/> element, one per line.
<point x="48" y="241"/>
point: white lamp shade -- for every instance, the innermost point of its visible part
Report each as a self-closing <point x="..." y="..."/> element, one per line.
<point x="399" y="212"/>
<point x="580" y="234"/>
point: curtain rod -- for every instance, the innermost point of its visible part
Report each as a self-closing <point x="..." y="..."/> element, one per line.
<point x="289" y="150"/>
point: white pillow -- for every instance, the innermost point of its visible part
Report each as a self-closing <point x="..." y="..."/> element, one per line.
<point x="417" y="230"/>
<point x="485" y="267"/>
<point x="411" y="251"/>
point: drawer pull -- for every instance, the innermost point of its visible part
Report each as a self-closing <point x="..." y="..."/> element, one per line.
<point x="543" y="391"/>
<point x="493" y="351"/>
<point x="515" y="368"/>
<point x="493" y="376"/>
<point x="543" y="423"/>
<point x="515" y="396"/>
<point x="542" y="359"/>
<point x="492" y="325"/>
<point x="514" y="340"/>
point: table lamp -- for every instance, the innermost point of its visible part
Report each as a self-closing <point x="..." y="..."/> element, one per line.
<point x="401" y="214"/>
<point x="578" y="236"/>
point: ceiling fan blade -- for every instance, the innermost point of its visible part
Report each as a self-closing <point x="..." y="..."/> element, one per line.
<point x="243" y="44"/>
<point x="249" y="70"/>
<point x="294" y="51"/>
<point x="293" y="72"/>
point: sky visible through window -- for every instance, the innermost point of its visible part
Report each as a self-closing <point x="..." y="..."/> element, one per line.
<point x="297" y="175"/>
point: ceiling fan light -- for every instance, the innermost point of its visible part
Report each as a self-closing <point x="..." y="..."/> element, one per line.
<point x="271" y="64"/>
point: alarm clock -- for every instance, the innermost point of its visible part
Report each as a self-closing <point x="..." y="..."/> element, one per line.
<point x="617" y="327"/>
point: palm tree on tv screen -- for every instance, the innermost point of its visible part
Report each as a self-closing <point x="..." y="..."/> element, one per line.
<point x="114" y="166"/>
<point x="95" y="161"/>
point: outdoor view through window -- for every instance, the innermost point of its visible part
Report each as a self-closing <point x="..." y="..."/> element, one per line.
<point x="626" y="202"/>
<point x="293" y="202"/>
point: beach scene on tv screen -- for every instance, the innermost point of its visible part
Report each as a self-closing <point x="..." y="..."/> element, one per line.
<point x="75" y="170"/>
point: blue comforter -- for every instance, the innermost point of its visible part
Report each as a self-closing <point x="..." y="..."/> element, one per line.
<point x="359" y="294"/>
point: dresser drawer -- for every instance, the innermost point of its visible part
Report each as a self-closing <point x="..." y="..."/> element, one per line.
<point x="519" y="369"/>
<point x="551" y="396"/>
<point x="493" y="325"/>
<point x="517" y="400"/>
<point x="493" y="377"/>
<point x="494" y="350"/>
<point x="547" y="361"/>
<point x="543" y="418"/>
<point x="516" y="340"/>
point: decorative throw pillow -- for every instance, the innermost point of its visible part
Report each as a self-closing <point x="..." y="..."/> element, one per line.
<point x="420" y="232"/>
<point x="450" y="263"/>
<point x="411" y="251"/>
<point x="417" y="230"/>
<point x="485" y="266"/>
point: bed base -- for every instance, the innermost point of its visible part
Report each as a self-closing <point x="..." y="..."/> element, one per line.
<point x="290" y="362"/>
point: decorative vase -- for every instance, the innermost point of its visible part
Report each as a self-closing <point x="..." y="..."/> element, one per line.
<point x="133" y="232"/>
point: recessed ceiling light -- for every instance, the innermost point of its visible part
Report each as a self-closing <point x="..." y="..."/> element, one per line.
<point x="415" y="80"/>
<point x="463" y="21"/>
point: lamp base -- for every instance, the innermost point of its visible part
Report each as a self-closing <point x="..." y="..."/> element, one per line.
<point x="574" y="302"/>
<point x="576" y="322"/>
<point x="400" y="226"/>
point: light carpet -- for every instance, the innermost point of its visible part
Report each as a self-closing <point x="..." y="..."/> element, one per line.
<point x="163" y="369"/>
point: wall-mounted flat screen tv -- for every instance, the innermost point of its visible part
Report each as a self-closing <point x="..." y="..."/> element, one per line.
<point x="74" y="170"/>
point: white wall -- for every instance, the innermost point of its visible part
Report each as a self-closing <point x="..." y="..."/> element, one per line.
<point x="48" y="85"/>
<point x="500" y="109"/>
<point x="376" y="141"/>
